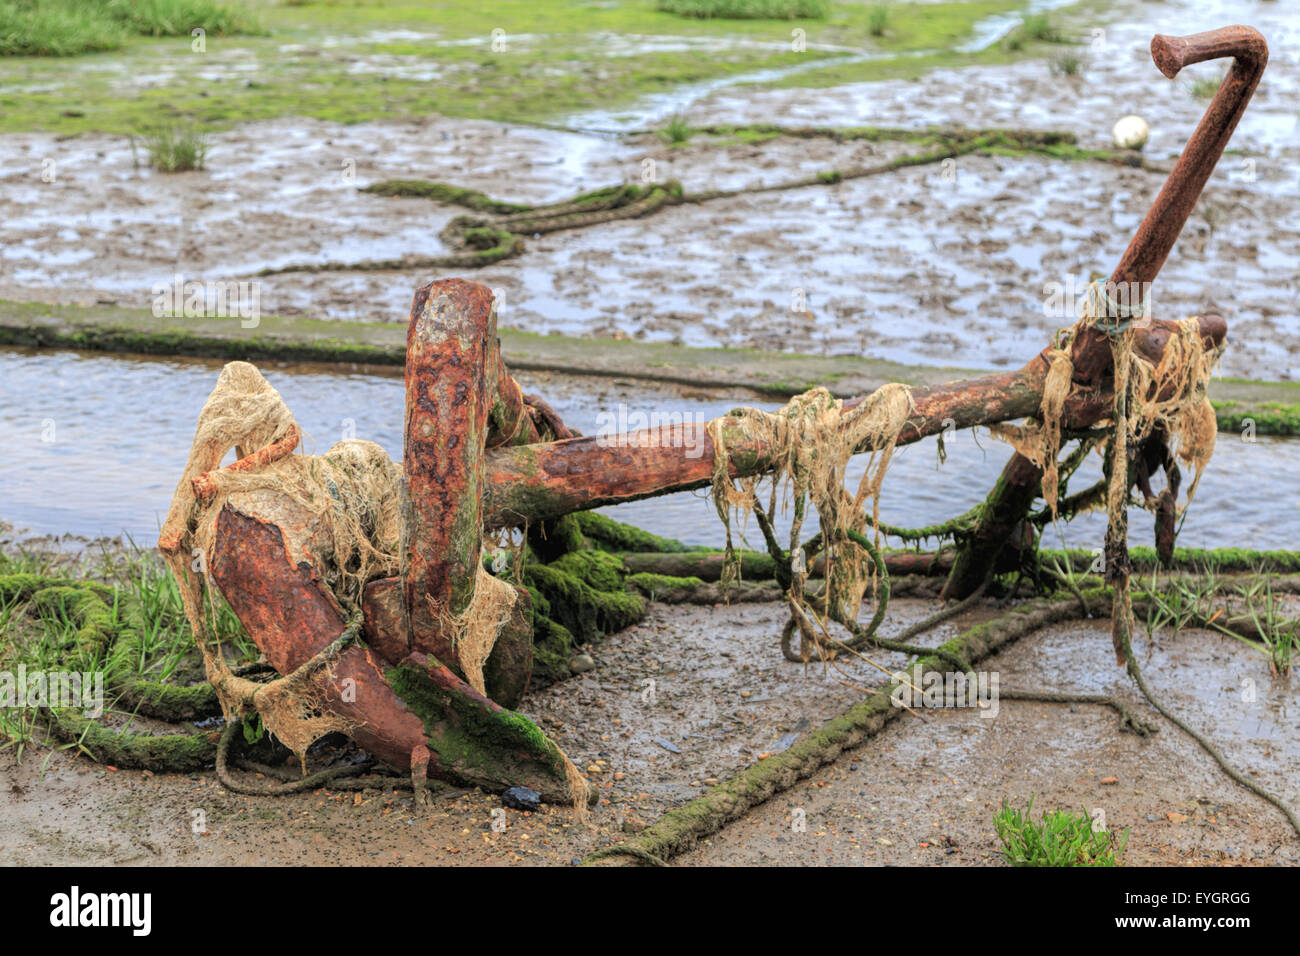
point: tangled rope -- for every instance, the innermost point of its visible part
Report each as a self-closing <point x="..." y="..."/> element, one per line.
<point x="809" y="444"/>
<point x="478" y="241"/>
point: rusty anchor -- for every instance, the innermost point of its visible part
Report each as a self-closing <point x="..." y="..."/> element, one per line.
<point x="479" y="456"/>
<point x="1009" y="503"/>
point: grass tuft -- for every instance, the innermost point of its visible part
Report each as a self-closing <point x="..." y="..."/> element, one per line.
<point x="176" y="149"/>
<point x="748" y="9"/>
<point x="1205" y="87"/>
<point x="677" y="131"/>
<point x="878" y="21"/>
<point x="55" y="29"/>
<point x="1059" y="838"/>
<point x="1034" y="28"/>
<point x="69" y="27"/>
<point x="1067" y="64"/>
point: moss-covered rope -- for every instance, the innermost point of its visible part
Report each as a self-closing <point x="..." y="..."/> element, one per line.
<point x="160" y="753"/>
<point x="106" y="636"/>
<point x="679" y="829"/>
<point x="616" y="536"/>
<point x="476" y="241"/>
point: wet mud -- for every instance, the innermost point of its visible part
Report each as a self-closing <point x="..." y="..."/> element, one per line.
<point x="691" y="696"/>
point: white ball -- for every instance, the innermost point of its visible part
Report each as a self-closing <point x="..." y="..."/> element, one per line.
<point x="1131" y="132"/>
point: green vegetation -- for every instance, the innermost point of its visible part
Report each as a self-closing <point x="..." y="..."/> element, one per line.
<point x="748" y="9"/>
<point x="1264" y="418"/>
<point x="1067" y="64"/>
<point x="1280" y="635"/>
<point x="121" y="618"/>
<point x="442" y="63"/>
<point x="1257" y="617"/>
<point x="68" y="27"/>
<point x="877" y="21"/>
<point x="1059" y="838"/>
<point x="677" y="131"/>
<point x="1035" y="28"/>
<point x="40" y="29"/>
<point x="176" y="149"/>
<point x="1205" y="87"/>
<point x="168" y="18"/>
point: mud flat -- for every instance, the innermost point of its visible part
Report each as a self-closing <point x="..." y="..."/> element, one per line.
<point x="924" y="793"/>
<point x="724" y="698"/>
<point x="854" y="268"/>
<point x="866" y="262"/>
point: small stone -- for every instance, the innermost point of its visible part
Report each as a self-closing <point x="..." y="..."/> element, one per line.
<point x="522" y="798"/>
<point x="582" y="663"/>
<point x="619" y="775"/>
<point x="710" y="781"/>
<point x="1173" y="817"/>
<point x="1130" y="132"/>
<point x="1108" y="781"/>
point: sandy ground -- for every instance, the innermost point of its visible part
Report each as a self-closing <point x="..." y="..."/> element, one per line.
<point x="722" y="697"/>
<point x="923" y="265"/>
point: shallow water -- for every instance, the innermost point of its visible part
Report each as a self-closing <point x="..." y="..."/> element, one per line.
<point x="921" y="266"/>
<point x="655" y="109"/>
<point x="95" y="445"/>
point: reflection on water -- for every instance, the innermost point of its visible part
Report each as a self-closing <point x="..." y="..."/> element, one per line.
<point x="94" y="446"/>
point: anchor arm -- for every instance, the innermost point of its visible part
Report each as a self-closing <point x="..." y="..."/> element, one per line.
<point x="1164" y="221"/>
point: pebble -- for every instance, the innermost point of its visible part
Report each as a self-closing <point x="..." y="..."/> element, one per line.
<point x="582" y="663"/>
<point x="522" y="798"/>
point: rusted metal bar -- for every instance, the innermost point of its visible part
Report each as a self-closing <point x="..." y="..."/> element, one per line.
<point x="412" y="712"/>
<point x="448" y="354"/>
<point x="474" y="460"/>
<point x="543" y="481"/>
<point x="1013" y="495"/>
<point x="1164" y="221"/>
<point x="261" y="568"/>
